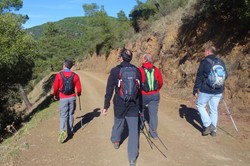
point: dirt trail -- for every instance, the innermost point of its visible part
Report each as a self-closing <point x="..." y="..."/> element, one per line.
<point x="91" y="145"/>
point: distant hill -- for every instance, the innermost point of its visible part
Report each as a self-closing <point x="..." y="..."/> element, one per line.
<point x="71" y="25"/>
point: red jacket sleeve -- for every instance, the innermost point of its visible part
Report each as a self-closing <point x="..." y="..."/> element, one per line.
<point x="56" y="85"/>
<point x="158" y="76"/>
<point x="78" y="86"/>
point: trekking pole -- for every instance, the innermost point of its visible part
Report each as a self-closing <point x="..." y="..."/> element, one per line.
<point x="162" y="143"/>
<point x="142" y="130"/>
<point x="229" y="113"/>
<point x="150" y="142"/>
<point x="80" y="108"/>
<point x="160" y="140"/>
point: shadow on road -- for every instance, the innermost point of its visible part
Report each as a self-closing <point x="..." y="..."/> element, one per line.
<point x="86" y="119"/>
<point x="191" y="115"/>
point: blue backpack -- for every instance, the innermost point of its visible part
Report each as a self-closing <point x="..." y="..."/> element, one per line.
<point x="68" y="84"/>
<point x="217" y="75"/>
<point x="128" y="83"/>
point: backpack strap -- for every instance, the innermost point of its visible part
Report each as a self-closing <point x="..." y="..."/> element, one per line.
<point x="146" y="68"/>
<point x="63" y="76"/>
<point x="210" y="61"/>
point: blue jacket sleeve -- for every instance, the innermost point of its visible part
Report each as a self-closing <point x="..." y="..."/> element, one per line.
<point x="199" y="78"/>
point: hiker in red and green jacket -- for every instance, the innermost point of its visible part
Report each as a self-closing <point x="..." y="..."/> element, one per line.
<point x="64" y="89"/>
<point x="151" y="85"/>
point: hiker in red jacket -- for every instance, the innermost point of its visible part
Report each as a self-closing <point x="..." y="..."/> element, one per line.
<point x="151" y="85"/>
<point x="64" y="89"/>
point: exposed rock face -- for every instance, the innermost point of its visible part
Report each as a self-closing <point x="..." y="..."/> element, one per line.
<point x="178" y="48"/>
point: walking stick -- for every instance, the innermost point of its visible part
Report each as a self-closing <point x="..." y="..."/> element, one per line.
<point x="148" y="136"/>
<point x="80" y="109"/>
<point x="229" y="113"/>
<point x="159" y="139"/>
<point x="142" y="126"/>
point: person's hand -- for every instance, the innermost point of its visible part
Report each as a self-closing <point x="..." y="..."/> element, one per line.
<point x="56" y="98"/>
<point x="195" y="96"/>
<point x="195" y="93"/>
<point x="105" y="112"/>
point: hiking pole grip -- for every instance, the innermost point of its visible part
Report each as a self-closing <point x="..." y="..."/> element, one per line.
<point x="80" y="103"/>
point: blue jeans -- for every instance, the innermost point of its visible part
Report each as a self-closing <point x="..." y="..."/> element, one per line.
<point x="67" y="110"/>
<point x="213" y="102"/>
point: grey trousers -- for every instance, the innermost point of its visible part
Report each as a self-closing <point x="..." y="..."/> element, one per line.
<point x="67" y="110"/>
<point x="133" y="141"/>
<point x="153" y="102"/>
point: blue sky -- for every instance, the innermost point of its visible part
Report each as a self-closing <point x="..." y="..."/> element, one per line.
<point x="42" y="11"/>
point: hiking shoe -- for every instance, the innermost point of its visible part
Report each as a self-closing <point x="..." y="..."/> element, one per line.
<point x="116" y="145"/>
<point x="62" y="136"/>
<point x="132" y="162"/>
<point x="213" y="133"/>
<point x="208" y="130"/>
<point x="154" y="135"/>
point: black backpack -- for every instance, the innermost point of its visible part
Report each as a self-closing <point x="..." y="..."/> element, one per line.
<point x="68" y="84"/>
<point x="128" y="83"/>
<point x="150" y="83"/>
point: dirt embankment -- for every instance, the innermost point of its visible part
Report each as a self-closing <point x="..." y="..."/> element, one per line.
<point x="177" y="42"/>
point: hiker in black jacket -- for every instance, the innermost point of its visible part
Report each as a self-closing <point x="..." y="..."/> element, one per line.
<point x="124" y="111"/>
<point x="207" y="93"/>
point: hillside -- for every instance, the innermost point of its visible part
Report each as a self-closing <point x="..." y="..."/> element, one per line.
<point x="177" y="42"/>
<point x="71" y="25"/>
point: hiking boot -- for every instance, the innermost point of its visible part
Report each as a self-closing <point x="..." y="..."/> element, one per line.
<point x="213" y="133"/>
<point x="208" y="129"/>
<point x="62" y="136"/>
<point x="116" y="145"/>
<point x="132" y="162"/>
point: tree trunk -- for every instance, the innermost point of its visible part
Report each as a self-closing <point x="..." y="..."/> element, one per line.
<point x="24" y="96"/>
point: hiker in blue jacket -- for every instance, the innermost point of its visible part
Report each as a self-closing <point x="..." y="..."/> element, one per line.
<point x="207" y="93"/>
<point x="124" y="111"/>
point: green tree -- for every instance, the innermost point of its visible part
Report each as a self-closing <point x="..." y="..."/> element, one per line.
<point x="54" y="46"/>
<point x="8" y="5"/>
<point x="90" y="9"/>
<point x="17" y="53"/>
<point x="141" y="13"/>
<point x="121" y="16"/>
<point x="98" y="36"/>
<point x="123" y="27"/>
